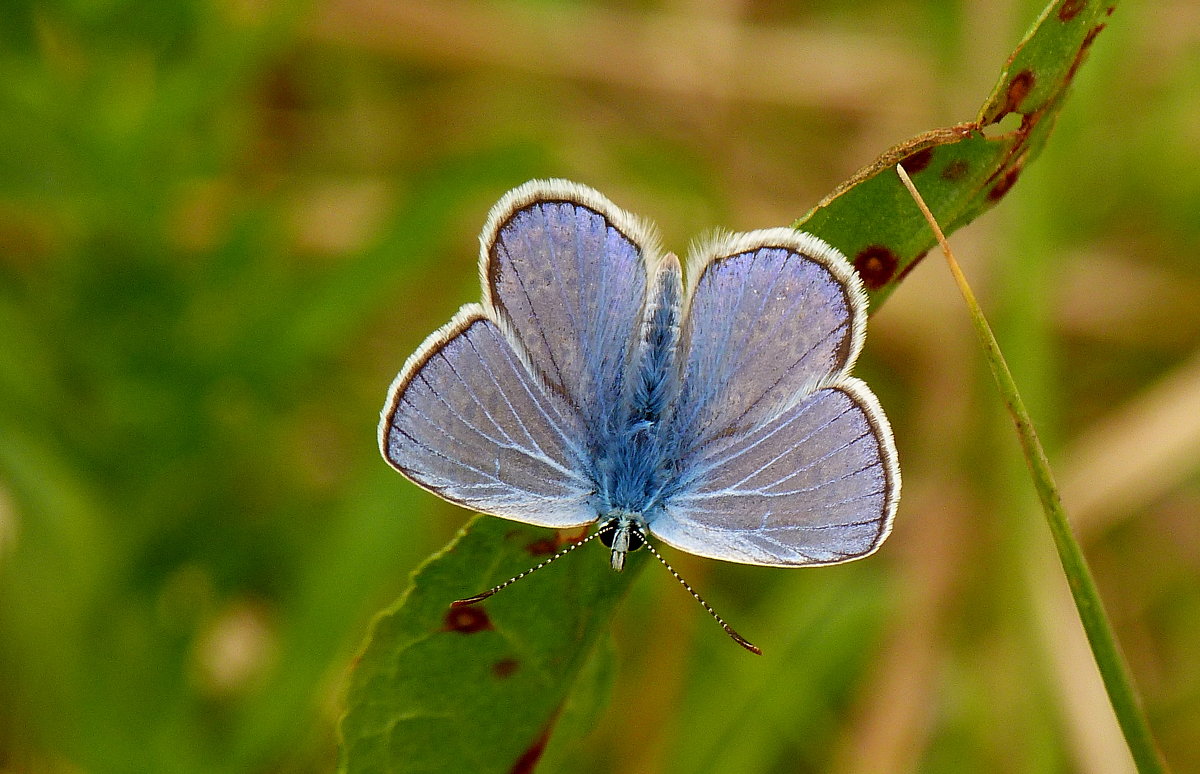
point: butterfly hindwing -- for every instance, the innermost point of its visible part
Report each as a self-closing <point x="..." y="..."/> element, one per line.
<point x="816" y="484"/>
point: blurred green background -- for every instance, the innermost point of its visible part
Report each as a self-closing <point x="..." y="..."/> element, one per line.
<point x="223" y="227"/>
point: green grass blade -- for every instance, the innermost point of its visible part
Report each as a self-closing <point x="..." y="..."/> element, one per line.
<point x="1113" y="669"/>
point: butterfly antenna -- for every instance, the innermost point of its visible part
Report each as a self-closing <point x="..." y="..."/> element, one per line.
<point x="739" y="639"/>
<point x="561" y="552"/>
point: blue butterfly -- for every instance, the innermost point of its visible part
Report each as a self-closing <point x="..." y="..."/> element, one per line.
<point x="597" y="381"/>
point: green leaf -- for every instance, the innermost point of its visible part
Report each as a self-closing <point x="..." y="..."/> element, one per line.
<point x="429" y="696"/>
<point x="962" y="170"/>
<point x="479" y="688"/>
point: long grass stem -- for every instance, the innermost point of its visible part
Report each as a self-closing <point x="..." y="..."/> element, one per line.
<point x="1111" y="663"/>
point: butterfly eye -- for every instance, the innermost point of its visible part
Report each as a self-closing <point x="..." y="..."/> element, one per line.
<point x="608" y="535"/>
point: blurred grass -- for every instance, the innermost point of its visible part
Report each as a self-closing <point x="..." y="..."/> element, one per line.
<point x="224" y="226"/>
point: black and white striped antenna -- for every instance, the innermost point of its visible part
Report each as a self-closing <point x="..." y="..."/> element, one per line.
<point x="739" y="639"/>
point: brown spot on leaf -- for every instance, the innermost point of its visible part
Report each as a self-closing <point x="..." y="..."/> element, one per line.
<point x="528" y="760"/>
<point x="505" y="667"/>
<point x="467" y="620"/>
<point x="557" y="540"/>
<point x="1006" y="182"/>
<point x="956" y="170"/>
<point x="544" y="546"/>
<point x="876" y="264"/>
<point x="1070" y="9"/>
<point x="1018" y="89"/>
<point x="915" y="162"/>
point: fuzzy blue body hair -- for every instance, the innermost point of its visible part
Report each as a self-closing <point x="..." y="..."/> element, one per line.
<point x="633" y="468"/>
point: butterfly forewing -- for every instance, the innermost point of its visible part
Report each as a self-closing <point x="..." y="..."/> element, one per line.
<point x="468" y="420"/>
<point x="772" y="315"/>
<point x="568" y="271"/>
<point x="783" y="459"/>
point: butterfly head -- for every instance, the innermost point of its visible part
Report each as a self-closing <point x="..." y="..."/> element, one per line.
<point x="622" y="531"/>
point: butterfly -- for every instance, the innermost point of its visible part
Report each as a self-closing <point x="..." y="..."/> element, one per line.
<point x="599" y="382"/>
